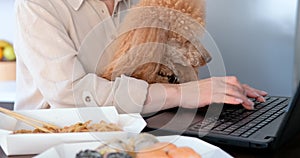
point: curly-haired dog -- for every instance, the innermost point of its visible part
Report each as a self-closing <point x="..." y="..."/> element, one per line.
<point x="159" y="44"/>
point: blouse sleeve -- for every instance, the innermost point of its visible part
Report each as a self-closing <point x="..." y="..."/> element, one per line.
<point x="43" y="44"/>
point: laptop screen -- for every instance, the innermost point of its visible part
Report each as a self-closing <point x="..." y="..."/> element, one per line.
<point x="290" y="127"/>
<point x="297" y="52"/>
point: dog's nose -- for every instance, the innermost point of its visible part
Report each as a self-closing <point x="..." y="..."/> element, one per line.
<point x="173" y="79"/>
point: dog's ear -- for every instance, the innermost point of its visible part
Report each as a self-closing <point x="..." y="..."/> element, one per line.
<point x="201" y="56"/>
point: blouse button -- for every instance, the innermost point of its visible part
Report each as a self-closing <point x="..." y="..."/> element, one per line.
<point x="88" y="99"/>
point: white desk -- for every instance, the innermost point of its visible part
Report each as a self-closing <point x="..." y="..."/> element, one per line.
<point x="7" y="91"/>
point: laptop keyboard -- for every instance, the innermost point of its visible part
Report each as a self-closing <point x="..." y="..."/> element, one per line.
<point x="241" y="122"/>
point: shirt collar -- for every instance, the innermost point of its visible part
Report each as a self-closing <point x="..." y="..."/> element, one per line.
<point x="75" y="3"/>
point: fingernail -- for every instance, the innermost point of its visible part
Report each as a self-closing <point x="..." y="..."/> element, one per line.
<point x="252" y="103"/>
<point x="239" y="100"/>
<point x="264" y="92"/>
<point x="252" y="107"/>
<point x="264" y="100"/>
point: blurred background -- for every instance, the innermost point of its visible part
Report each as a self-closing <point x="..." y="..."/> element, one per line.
<point x="255" y="37"/>
<point x="257" y="41"/>
<point x="7" y="67"/>
<point x="7" y="26"/>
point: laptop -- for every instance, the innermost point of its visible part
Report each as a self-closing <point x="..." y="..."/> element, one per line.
<point x="270" y="125"/>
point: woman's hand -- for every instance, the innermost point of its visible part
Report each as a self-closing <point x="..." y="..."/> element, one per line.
<point x="218" y="90"/>
<point x="200" y="93"/>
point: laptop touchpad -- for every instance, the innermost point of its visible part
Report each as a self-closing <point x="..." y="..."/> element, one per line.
<point x="179" y="119"/>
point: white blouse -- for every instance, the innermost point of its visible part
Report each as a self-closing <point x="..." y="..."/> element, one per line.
<point x="55" y="71"/>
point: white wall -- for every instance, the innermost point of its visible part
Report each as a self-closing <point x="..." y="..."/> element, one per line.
<point x="7" y="25"/>
<point x="256" y="39"/>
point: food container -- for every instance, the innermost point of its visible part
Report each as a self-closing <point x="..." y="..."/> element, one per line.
<point x="205" y="149"/>
<point x="26" y="144"/>
<point x="7" y="70"/>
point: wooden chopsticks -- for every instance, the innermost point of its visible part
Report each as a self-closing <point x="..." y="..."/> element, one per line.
<point x="29" y="121"/>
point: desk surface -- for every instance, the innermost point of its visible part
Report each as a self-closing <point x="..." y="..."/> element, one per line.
<point x="289" y="150"/>
<point x="7" y="91"/>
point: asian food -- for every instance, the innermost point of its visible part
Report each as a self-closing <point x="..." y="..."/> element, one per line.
<point x="141" y="146"/>
<point x="102" y="126"/>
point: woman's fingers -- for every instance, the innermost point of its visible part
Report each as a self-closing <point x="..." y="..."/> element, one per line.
<point x="259" y="92"/>
<point x="219" y="90"/>
<point x="235" y="101"/>
<point x="232" y="80"/>
<point x="255" y="93"/>
<point x="228" y="90"/>
<point x="233" y="91"/>
<point x="243" y="91"/>
<point x="261" y="99"/>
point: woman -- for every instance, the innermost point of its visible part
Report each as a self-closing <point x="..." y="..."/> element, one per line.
<point x="48" y="37"/>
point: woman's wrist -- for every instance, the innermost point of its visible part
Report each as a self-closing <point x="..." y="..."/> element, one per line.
<point x="173" y="95"/>
<point x="162" y="96"/>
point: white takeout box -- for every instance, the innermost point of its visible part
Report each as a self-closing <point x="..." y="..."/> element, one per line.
<point x="206" y="150"/>
<point x="26" y="144"/>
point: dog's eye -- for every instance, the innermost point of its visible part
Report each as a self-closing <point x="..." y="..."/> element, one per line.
<point x="173" y="79"/>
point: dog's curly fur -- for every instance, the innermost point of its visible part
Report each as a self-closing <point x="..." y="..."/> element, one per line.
<point x="165" y="53"/>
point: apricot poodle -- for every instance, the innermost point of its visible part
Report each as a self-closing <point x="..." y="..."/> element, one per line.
<point x="158" y="42"/>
